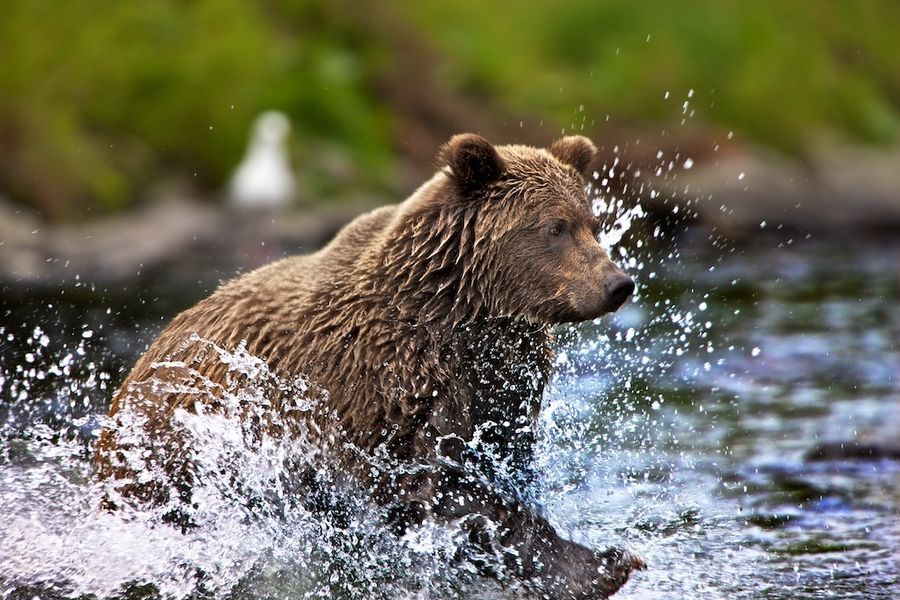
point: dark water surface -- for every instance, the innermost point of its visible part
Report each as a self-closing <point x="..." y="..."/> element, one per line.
<point x="738" y="425"/>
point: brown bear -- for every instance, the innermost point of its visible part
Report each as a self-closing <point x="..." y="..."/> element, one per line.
<point x="422" y="325"/>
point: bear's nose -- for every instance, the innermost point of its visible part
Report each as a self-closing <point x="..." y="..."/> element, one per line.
<point x="619" y="288"/>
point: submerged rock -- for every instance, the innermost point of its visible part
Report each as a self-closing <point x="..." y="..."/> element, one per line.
<point x="853" y="450"/>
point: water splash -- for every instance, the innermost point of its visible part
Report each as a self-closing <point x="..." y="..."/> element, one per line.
<point x="605" y="479"/>
<point x="254" y="529"/>
<point x="674" y="428"/>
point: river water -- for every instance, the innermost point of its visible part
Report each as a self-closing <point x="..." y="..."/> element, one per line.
<point x="737" y="425"/>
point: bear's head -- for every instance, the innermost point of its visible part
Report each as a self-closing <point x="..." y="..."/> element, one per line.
<point x="534" y="236"/>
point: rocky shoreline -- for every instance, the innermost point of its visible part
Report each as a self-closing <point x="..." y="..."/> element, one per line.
<point x="737" y="194"/>
<point x="194" y="237"/>
<point x="838" y="191"/>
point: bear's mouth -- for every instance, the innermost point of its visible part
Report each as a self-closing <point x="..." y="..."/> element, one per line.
<point x="569" y="313"/>
<point x="614" y="303"/>
<point x="572" y="315"/>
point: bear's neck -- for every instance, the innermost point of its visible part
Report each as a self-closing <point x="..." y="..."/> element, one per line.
<point x="429" y="271"/>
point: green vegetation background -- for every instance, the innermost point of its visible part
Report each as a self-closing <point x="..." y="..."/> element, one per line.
<point x="100" y="99"/>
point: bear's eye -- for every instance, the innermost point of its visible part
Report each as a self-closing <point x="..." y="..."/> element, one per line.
<point x="556" y="228"/>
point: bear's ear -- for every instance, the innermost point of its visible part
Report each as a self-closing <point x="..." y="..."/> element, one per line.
<point x="473" y="160"/>
<point x="575" y="150"/>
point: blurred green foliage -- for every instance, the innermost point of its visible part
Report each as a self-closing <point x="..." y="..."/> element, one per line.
<point x="776" y="70"/>
<point x="100" y="99"/>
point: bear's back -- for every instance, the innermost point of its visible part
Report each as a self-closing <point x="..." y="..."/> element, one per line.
<point x="301" y="281"/>
<point x="260" y="310"/>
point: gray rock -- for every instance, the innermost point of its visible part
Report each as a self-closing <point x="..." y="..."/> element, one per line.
<point x="193" y="238"/>
<point x="838" y="190"/>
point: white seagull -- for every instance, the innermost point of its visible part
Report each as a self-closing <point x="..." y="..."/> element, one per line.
<point x="264" y="180"/>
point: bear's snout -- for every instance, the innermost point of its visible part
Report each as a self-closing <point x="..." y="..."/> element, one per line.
<point x="618" y="289"/>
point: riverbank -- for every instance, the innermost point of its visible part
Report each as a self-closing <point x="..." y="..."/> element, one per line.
<point x="735" y="192"/>
<point x="840" y="191"/>
<point x="192" y="236"/>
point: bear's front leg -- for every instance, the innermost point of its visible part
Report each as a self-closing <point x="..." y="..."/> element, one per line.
<point x="553" y="565"/>
<point x="508" y="540"/>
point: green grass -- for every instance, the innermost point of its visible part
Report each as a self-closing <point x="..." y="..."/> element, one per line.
<point x="100" y="99"/>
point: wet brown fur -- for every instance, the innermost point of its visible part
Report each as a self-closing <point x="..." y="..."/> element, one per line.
<point x="422" y="321"/>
